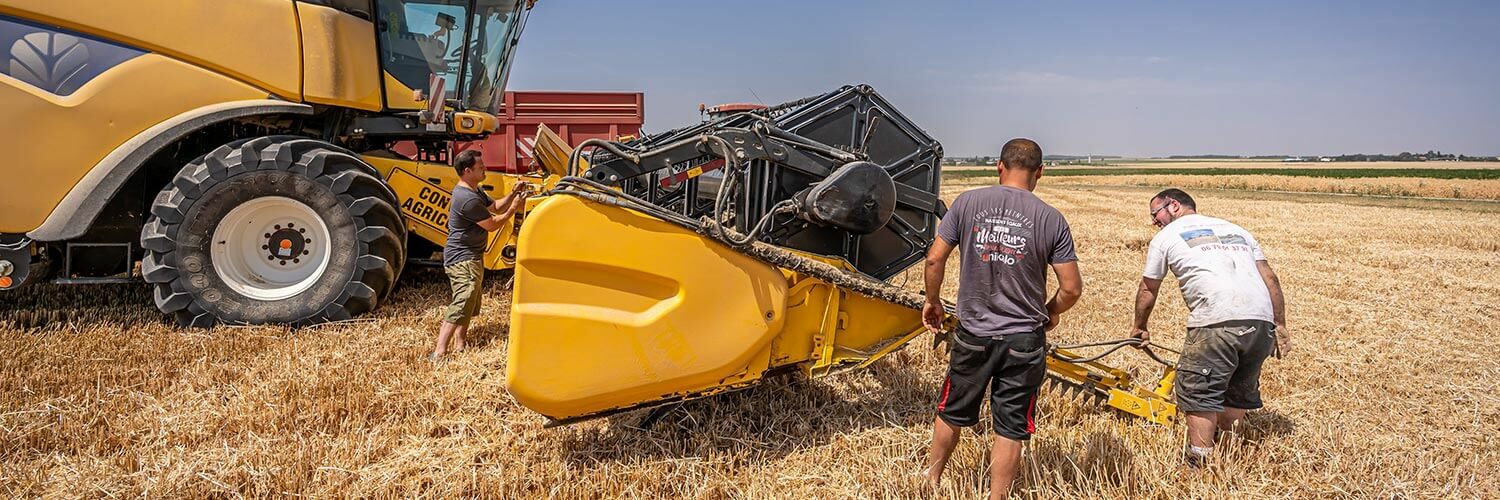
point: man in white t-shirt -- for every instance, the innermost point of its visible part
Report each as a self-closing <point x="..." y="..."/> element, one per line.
<point x="1236" y="317"/>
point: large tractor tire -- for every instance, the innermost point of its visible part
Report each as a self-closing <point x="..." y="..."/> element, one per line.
<point x="283" y="230"/>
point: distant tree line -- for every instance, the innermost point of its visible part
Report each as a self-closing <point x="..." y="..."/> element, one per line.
<point x="1408" y="156"/>
<point x="969" y="160"/>
<point x="1052" y="159"/>
<point x="1431" y="155"/>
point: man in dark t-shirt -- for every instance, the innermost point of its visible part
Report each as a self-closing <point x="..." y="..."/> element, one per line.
<point x="1006" y="238"/>
<point x="471" y="216"/>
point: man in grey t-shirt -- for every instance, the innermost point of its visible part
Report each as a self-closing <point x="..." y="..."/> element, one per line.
<point x="1006" y="238"/>
<point x="471" y="216"/>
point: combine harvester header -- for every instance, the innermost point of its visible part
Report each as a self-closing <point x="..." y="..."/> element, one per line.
<point x="705" y="259"/>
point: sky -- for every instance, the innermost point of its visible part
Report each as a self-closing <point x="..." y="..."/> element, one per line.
<point x="1136" y="79"/>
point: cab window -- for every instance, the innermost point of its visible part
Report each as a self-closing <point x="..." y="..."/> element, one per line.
<point x="422" y="38"/>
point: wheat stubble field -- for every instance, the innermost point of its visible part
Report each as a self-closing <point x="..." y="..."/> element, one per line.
<point x="1467" y="180"/>
<point x="1389" y="393"/>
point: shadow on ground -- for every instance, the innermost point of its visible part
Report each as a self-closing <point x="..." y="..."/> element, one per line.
<point x="1101" y="458"/>
<point x="48" y="306"/>
<point x="1263" y="424"/>
<point x="773" y="419"/>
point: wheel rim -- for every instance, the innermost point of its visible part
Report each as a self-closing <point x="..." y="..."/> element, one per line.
<point x="271" y="248"/>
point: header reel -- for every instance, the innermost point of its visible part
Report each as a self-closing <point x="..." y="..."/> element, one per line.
<point x="840" y="174"/>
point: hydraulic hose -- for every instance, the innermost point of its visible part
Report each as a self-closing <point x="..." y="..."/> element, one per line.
<point x="1114" y="345"/>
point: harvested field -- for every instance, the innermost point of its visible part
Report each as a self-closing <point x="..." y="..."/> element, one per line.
<point x="1463" y="189"/>
<point x="1258" y="164"/>
<point x="1388" y="393"/>
<point x="1461" y="184"/>
<point x="1209" y="163"/>
<point x="1335" y="173"/>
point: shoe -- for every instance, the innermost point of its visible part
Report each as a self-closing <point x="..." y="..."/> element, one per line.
<point x="1197" y="458"/>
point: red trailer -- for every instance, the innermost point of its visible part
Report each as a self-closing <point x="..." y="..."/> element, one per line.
<point x="575" y="116"/>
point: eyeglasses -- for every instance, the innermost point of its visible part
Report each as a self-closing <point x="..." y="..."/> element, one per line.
<point x="1159" y="209"/>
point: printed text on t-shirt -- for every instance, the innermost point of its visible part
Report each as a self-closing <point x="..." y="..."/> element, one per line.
<point x="1001" y="235"/>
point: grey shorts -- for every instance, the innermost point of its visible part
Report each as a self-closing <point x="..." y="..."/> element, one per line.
<point x="1220" y="365"/>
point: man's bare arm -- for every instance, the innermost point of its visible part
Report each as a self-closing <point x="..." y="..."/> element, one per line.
<point x="1145" y="301"/>
<point x="521" y="189"/>
<point x="1069" y="289"/>
<point x="500" y="204"/>
<point x="506" y="207"/>
<point x="1278" y="307"/>
<point x="1273" y="284"/>
<point x="933" y="270"/>
<point x="498" y="220"/>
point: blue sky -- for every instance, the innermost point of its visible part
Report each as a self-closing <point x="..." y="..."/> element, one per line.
<point x="1138" y="79"/>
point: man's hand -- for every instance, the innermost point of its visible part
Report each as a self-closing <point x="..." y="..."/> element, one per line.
<point x="1145" y="300"/>
<point x="507" y="206"/>
<point x="932" y="317"/>
<point x="514" y="201"/>
<point x="1052" y="320"/>
<point x="1283" y="341"/>
<point x="932" y="281"/>
<point x="521" y="189"/>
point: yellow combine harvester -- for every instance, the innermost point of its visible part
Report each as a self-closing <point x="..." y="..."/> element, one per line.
<point x="238" y="157"/>
<point x="240" y="151"/>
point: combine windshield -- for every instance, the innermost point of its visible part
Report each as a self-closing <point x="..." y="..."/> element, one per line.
<point x="496" y="28"/>
<point x="467" y="43"/>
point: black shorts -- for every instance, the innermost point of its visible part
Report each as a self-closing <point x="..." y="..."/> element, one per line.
<point x="1220" y="365"/>
<point x="1013" y="367"/>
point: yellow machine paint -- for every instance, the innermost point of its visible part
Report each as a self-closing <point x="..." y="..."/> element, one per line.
<point x="197" y="55"/>
<point x="399" y="96"/>
<point x="1115" y="387"/>
<point x="425" y="192"/>
<point x="614" y="309"/>
<point x="474" y="122"/>
<point x="551" y="153"/>
<point x="254" y="41"/>
<point x="57" y="139"/>
<point x="339" y="60"/>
